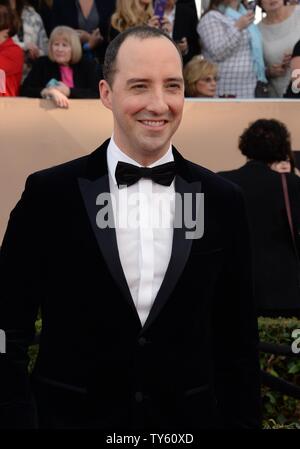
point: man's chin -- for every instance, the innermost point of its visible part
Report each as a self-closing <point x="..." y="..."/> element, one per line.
<point x="155" y="145"/>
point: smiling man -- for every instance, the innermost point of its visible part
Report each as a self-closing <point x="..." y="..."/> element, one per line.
<point x="145" y="94"/>
<point x="144" y="327"/>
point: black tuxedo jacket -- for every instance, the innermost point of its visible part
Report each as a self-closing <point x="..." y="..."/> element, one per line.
<point x="192" y="365"/>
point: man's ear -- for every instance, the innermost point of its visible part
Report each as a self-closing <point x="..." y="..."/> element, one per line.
<point x="105" y="94"/>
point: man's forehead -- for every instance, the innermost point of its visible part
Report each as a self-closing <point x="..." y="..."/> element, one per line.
<point x="139" y="57"/>
<point x="134" y="47"/>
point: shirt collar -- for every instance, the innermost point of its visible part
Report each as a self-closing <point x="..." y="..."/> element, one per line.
<point x="115" y="154"/>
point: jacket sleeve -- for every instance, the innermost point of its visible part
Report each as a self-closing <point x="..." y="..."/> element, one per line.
<point x="237" y="370"/>
<point x="19" y="302"/>
<point x="219" y="40"/>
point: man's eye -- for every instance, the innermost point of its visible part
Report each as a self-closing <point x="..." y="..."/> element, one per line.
<point x="139" y="86"/>
<point x="173" y="86"/>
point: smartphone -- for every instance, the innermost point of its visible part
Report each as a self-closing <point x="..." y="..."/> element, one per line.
<point x="52" y="83"/>
<point x="251" y="6"/>
<point x="159" y="8"/>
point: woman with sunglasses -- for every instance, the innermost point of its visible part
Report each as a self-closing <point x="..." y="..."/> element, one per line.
<point x="200" y="78"/>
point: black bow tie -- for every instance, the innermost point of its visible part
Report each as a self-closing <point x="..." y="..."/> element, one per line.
<point x="128" y="174"/>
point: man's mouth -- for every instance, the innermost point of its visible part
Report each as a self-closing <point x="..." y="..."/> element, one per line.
<point x="153" y="123"/>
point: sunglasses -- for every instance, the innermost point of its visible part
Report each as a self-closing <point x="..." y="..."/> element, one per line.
<point x="209" y="79"/>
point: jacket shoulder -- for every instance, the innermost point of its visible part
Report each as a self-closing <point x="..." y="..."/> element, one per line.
<point x="59" y="176"/>
<point x="212" y="181"/>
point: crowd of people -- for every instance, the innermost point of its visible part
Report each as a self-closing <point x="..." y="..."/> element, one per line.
<point x="225" y="54"/>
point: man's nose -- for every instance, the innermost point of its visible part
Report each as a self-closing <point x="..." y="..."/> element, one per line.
<point x="157" y="102"/>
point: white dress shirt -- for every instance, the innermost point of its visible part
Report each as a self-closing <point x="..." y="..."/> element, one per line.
<point x="144" y="229"/>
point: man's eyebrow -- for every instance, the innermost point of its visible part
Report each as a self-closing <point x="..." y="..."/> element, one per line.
<point x="175" y="79"/>
<point x="137" y="80"/>
<point x="146" y="80"/>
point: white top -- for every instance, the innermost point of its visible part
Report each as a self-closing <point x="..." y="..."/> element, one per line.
<point x="280" y="38"/>
<point x="223" y="44"/>
<point x="144" y="246"/>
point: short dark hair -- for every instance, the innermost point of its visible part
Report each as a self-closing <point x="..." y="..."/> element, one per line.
<point x="7" y="20"/>
<point x="141" y="32"/>
<point x="266" y="140"/>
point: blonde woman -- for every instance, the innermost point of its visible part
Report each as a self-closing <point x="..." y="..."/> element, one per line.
<point x="200" y="78"/>
<point x="130" y="13"/>
<point x="63" y="73"/>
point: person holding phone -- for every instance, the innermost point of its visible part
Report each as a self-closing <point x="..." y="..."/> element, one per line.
<point x="180" y="22"/>
<point x="130" y="13"/>
<point x="230" y="38"/>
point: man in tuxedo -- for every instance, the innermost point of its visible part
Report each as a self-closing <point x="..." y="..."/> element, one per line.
<point x="145" y="325"/>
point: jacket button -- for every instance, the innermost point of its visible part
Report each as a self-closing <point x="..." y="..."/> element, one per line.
<point x="142" y="341"/>
<point x="139" y="396"/>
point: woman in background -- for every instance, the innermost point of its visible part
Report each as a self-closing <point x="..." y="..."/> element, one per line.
<point x="130" y="13"/>
<point x="11" y="55"/>
<point x="31" y="35"/>
<point x="64" y="73"/>
<point x="180" y="22"/>
<point x="280" y="30"/>
<point x="200" y="77"/>
<point x="91" y="19"/>
<point x="229" y="38"/>
<point x="265" y="143"/>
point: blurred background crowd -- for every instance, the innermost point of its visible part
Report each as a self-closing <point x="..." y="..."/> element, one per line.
<point x="230" y="48"/>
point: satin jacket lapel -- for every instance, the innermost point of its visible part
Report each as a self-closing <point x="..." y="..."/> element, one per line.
<point x="181" y="246"/>
<point x="90" y="188"/>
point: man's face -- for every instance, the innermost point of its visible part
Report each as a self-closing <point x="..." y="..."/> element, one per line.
<point x="146" y="97"/>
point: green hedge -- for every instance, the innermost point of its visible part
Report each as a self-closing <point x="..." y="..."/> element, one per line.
<point x="279" y="411"/>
